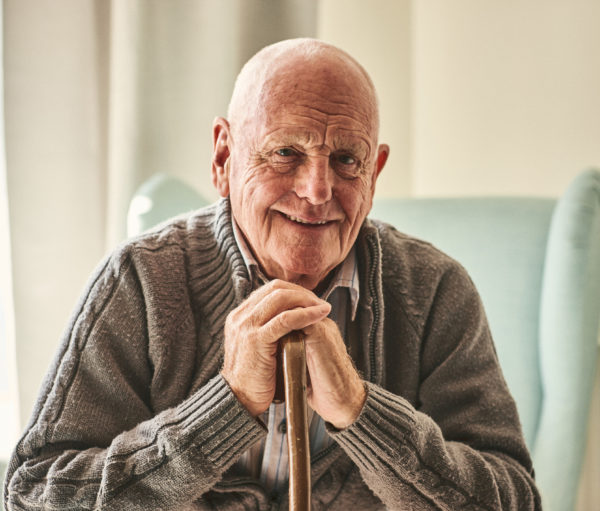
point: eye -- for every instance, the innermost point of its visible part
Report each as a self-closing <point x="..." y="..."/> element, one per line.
<point x="286" y="152"/>
<point x="346" y="165"/>
<point x="285" y="159"/>
<point x="346" y="159"/>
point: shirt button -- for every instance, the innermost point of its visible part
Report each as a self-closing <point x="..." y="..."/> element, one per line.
<point x="282" y="428"/>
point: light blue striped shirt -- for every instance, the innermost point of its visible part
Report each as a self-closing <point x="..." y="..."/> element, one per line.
<point x="267" y="460"/>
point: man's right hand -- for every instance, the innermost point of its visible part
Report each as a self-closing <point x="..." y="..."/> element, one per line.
<point x="252" y="333"/>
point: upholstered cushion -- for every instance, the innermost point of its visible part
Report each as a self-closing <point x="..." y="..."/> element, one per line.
<point x="570" y="314"/>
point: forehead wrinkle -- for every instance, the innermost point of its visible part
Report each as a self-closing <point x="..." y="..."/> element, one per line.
<point x="291" y="133"/>
<point x="347" y="99"/>
<point x="350" y="95"/>
<point x="328" y="118"/>
<point x="325" y="105"/>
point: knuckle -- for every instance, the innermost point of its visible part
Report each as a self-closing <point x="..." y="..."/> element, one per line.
<point x="278" y="284"/>
<point x="278" y="294"/>
<point x="283" y="320"/>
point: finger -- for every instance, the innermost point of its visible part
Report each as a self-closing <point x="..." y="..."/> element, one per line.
<point x="264" y="290"/>
<point x="293" y="319"/>
<point x="279" y="300"/>
<point x="324" y="334"/>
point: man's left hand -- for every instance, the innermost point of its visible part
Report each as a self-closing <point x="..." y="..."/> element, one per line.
<point x="336" y="391"/>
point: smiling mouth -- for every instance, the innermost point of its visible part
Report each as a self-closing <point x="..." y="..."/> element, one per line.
<point x="305" y="222"/>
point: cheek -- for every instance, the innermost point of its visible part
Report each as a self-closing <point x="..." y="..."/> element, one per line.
<point x="355" y="199"/>
<point x="258" y="191"/>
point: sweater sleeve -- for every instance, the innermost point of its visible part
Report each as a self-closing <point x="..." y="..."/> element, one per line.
<point x="461" y="445"/>
<point x="95" y="442"/>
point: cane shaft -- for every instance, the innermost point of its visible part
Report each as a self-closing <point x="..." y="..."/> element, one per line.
<point x="294" y="376"/>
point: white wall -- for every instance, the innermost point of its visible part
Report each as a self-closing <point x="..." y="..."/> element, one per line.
<point x="505" y="95"/>
<point x="478" y="97"/>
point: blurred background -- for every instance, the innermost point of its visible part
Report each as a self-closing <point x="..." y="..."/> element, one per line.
<point x="493" y="97"/>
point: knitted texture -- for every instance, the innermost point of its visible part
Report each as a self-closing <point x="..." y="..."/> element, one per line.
<point x="133" y="414"/>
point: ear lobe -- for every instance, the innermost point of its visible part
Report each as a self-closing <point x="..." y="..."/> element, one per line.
<point x="221" y="154"/>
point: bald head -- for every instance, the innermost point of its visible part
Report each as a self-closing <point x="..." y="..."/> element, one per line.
<point x="292" y="62"/>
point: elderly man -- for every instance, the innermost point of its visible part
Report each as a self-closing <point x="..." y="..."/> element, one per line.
<point x="161" y="396"/>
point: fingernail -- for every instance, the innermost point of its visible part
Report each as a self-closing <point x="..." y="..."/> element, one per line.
<point x="325" y="307"/>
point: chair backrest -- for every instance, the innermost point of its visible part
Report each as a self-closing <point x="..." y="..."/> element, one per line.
<point x="536" y="263"/>
<point x="158" y="199"/>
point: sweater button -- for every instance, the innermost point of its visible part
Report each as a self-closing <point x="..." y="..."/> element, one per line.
<point x="282" y="428"/>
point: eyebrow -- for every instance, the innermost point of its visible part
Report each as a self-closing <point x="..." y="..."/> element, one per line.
<point x="351" y="143"/>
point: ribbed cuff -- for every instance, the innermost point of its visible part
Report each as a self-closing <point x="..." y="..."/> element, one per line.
<point x="220" y="425"/>
<point x="378" y="433"/>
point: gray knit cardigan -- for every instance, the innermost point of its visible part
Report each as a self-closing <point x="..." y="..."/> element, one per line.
<point x="133" y="414"/>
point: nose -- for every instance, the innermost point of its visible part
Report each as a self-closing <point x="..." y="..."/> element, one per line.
<point x="314" y="180"/>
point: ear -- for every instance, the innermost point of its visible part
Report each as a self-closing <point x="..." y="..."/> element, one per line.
<point x="383" y="151"/>
<point x="220" y="157"/>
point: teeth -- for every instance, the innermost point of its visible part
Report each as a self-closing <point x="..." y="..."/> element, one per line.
<point x="299" y="220"/>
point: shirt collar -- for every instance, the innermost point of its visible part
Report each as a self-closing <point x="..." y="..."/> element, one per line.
<point x="345" y="276"/>
<point x="257" y="277"/>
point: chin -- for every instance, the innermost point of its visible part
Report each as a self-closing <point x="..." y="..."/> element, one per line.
<point x="306" y="271"/>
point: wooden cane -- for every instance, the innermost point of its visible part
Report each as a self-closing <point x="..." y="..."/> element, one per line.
<point x="294" y="381"/>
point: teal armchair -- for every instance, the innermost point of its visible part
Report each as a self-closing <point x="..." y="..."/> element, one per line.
<point x="536" y="263"/>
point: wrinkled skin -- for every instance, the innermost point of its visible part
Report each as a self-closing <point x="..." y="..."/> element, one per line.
<point x="299" y="163"/>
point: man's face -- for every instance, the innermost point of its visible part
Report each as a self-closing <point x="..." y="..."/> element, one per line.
<point x="301" y="172"/>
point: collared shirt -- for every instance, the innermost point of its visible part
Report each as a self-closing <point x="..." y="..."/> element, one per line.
<point x="267" y="460"/>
